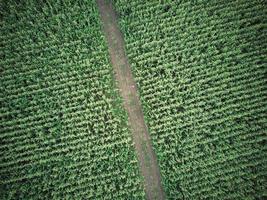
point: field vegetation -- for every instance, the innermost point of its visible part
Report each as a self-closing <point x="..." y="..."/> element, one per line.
<point x="200" y="68"/>
<point x="64" y="133"/>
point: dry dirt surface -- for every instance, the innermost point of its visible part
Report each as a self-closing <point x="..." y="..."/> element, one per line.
<point x="147" y="159"/>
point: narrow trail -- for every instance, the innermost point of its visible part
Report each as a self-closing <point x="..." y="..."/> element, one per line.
<point x="147" y="159"/>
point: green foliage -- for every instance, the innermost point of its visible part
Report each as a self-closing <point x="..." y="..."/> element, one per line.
<point x="63" y="131"/>
<point x="200" y="67"/>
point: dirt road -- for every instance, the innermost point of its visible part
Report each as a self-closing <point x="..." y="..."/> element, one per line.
<point x="128" y="90"/>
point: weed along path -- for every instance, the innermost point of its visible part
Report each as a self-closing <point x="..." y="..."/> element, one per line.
<point x="127" y="86"/>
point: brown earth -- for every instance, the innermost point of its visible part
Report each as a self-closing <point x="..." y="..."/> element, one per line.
<point x="124" y="79"/>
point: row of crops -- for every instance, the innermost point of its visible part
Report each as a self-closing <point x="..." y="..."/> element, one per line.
<point x="200" y="67"/>
<point x="63" y="133"/>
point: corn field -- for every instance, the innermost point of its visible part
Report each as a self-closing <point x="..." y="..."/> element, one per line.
<point x="64" y="134"/>
<point x="200" y="67"/>
<point x="200" y="70"/>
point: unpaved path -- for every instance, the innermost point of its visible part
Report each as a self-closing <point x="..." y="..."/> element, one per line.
<point x="127" y="86"/>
